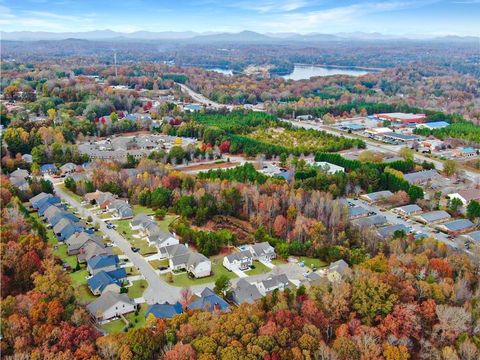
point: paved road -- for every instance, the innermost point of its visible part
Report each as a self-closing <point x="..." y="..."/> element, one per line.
<point x="202" y="99"/>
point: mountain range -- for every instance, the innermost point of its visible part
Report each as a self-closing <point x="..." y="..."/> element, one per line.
<point x="243" y="36"/>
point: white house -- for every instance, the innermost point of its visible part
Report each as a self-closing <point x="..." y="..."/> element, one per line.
<point x="238" y="261"/>
<point x="182" y="258"/>
<point x="465" y="196"/>
<point x="337" y="270"/>
<point x="199" y="265"/>
<point x="110" y="305"/>
<point x="273" y="282"/>
<point x="163" y="239"/>
<point x="262" y="252"/>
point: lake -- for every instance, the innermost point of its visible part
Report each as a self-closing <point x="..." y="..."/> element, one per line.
<point x="302" y="72"/>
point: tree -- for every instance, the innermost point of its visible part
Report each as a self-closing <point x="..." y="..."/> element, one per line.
<point x="221" y="284"/>
<point x="406" y="153"/>
<point x="473" y="209"/>
<point x="454" y="205"/>
<point x="450" y="167"/>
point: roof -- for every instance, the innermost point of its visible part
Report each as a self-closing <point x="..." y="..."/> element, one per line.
<point x="48" y="167"/>
<point x="174" y="250"/>
<point x="420" y="176"/>
<point x="239" y="256"/>
<point x="355" y="211"/>
<point x="20" y="173"/>
<point x="160" y="236"/>
<point x="18" y="181"/>
<point x="402" y="116"/>
<point x="378" y="195"/>
<point x="339" y="266"/>
<point x="43" y="198"/>
<point x="92" y="248"/>
<point x="401" y="136"/>
<point x="475" y="236"/>
<point x="101" y="280"/>
<point x="458" y="225"/>
<point x="275" y="281"/>
<point x="353" y="126"/>
<point x="409" y="209"/>
<point x="68" y="167"/>
<point x="435" y="215"/>
<point x="61" y="225"/>
<point x="245" y="292"/>
<point x="106" y="301"/>
<point x="195" y="258"/>
<point x="140" y="219"/>
<point x="434" y="124"/>
<point x="209" y="301"/>
<point x="389" y="231"/>
<point x="101" y="261"/>
<point x="469" y="194"/>
<point x="374" y="220"/>
<point x="263" y="248"/>
<point x="165" y="310"/>
<point x="77" y="240"/>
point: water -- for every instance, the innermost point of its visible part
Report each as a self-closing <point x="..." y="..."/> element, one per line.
<point x="302" y="72"/>
<point x="222" y="71"/>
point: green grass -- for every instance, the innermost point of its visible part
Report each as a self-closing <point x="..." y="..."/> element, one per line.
<point x="182" y="280"/>
<point x="106" y="215"/>
<point x="139" y="209"/>
<point x="157" y="263"/>
<point x="71" y="193"/>
<point x="123" y="228"/>
<point x="165" y="223"/>
<point x="137" y="289"/>
<point x="312" y="262"/>
<point x="258" y="269"/>
<point x="117" y="251"/>
<point x="61" y="252"/>
<point x="117" y="326"/>
<point x="132" y="270"/>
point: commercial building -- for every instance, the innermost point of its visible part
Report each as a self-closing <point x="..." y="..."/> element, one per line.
<point x="404" y="118"/>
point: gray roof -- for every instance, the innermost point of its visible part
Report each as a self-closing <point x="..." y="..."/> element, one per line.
<point x="389" y="231"/>
<point x="355" y="211"/>
<point x="374" y="220"/>
<point x="276" y="281"/>
<point x="77" y="240"/>
<point x="339" y="266"/>
<point x="410" y="209"/>
<point x="263" y="248"/>
<point x="458" y="225"/>
<point x="379" y="195"/>
<point x="91" y="249"/>
<point x="20" y="173"/>
<point x="160" y="236"/>
<point x="61" y="225"/>
<point x="420" y="176"/>
<point x="245" y="292"/>
<point x="174" y="250"/>
<point x="195" y="258"/>
<point x="106" y="301"/>
<point x="239" y="256"/>
<point x="435" y="216"/>
<point x="401" y="136"/>
<point x="140" y="219"/>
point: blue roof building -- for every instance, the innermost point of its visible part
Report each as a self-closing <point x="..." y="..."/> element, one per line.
<point x="103" y="280"/>
<point x="103" y="262"/>
<point x="209" y="301"/>
<point x="43" y="199"/>
<point x="164" y="311"/>
<point x="433" y="125"/>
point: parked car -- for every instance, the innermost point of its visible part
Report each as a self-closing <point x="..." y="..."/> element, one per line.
<point x="134" y="249"/>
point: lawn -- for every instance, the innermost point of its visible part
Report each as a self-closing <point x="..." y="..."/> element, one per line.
<point x="258" y="269"/>
<point x="71" y="193"/>
<point x="123" y="227"/>
<point x="165" y="223"/>
<point x="117" y="251"/>
<point x="132" y="270"/>
<point x="79" y="283"/>
<point x="137" y="289"/>
<point x="139" y="209"/>
<point x="312" y="262"/>
<point x="182" y="280"/>
<point x="157" y="263"/>
<point x="61" y="252"/>
<point x="118" y="325"/>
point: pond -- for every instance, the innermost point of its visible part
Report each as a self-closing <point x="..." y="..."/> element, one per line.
<point x="302" y="72"/>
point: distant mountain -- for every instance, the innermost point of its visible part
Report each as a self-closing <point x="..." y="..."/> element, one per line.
<point x="243" y="36"/>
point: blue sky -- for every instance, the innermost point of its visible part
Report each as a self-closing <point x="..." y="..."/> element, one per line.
<point x="433" y="17"/>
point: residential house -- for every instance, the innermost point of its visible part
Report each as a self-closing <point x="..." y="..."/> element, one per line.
<point x="48" y="169"/>
<point x="91" y="249"/>
<point x="43" y="198"/>
<point x="274" y="282"/>
<point x="421" y="177"/>
<point x="120" y="208"/>
<point x="374" y="220"/>
<point x="67" y="168"/>
<point x="42" y="209"/>
<point x="19" y="182"/>
<point x="198" y="265"/>
<point x="106" y="281"/>
<point x="103" y="262"/>
<point x="165" y="310"/>
<point x="328" y="167"/>
<point x="356" y="212"/>
<point x="456" y="227"/>
<point x="408" y="210"/>
<point x="433" y="217"/>
<point x="57" y="216"/>
<point x="377" y="196"/>
<point x="139" y="222"/>
<point x="337" y="270"/>
<point x="389" y="231"/>
<point x="20" y="173"/>
<point x="110" y="305"/>
<point x="27" y="158"/>
<point x="162" y="239"/>
<point x="244" y="292"/>
<point x="78" y="240"/>
<point x="465" y="196"/>
<point x="263" y="251"/>
<point x="100" y="198"/>
<point x="209" y="301"/>
<point x="473" y="237"/>
<point x="238" y="260"/>
<point x="66" y="228"/>
<point x="182" y="258"/>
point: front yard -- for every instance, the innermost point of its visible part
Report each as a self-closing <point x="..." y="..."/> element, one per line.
<point x="137" y="289"/>
<point x="258" y="268"/>
<point x="123" y="228"/>
<point x="158" y="263"/>
<point x="182" y="279"/>
<point x="312" y="262"/>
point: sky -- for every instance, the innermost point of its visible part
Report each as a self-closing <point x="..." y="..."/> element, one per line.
<point x="394" y="17"/>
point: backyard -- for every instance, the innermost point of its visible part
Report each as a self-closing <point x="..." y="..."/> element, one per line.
<point x="78" y="198"/>
<point x="312" y="262"/>
<point x="136" y="321"/>
<point x="123" y="228"/>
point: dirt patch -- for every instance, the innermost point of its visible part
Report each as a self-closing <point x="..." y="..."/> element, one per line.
<point x="241" y="229"/>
